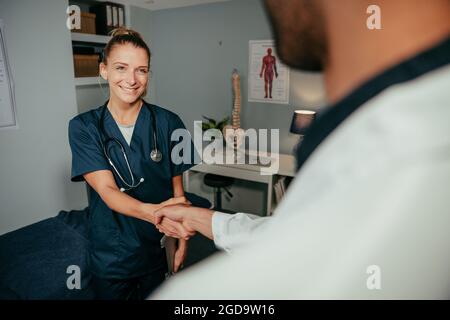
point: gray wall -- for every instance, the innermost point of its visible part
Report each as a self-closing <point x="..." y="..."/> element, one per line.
<point x="142" y="21"/>
<point x="194" y="52"/>
<point x="35" y="159"/>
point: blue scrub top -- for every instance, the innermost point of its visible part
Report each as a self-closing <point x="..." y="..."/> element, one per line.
<point x="120" y="246"/>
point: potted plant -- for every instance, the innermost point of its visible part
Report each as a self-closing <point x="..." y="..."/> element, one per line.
<point x="213" y="124"/>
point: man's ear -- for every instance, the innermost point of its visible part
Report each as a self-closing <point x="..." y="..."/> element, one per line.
<point x="103" y="72"/>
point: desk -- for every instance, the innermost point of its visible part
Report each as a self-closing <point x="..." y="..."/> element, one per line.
<point x="249" y="172"/>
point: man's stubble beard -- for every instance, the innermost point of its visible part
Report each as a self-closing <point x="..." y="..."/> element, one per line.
<point x="299" y="33"/>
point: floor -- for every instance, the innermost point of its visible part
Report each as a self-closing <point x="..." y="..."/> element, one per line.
<point x="200" y="247"/>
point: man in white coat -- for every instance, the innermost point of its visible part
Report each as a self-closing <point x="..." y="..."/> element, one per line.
<point x="368" y="214"/>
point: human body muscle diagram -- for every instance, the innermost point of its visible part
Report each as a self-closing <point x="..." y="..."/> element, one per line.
<point x="268" y="70"/>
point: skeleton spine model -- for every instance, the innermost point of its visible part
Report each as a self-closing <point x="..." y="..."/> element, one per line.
<point x="234" y="135"/>
<point x="236" y="115"/>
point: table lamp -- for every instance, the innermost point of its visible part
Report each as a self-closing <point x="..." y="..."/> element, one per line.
<point x="301" y="120"/>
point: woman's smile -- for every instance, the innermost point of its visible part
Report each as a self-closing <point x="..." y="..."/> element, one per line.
<point x="129" y="90"/>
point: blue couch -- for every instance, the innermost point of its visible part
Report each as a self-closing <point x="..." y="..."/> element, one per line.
<point x="34" y="259"/>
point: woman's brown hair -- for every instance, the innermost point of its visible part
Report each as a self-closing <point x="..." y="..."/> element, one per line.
<point x="123" y="36"/>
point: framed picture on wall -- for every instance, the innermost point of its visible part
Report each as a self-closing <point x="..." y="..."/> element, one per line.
<point x="268" y="78"/>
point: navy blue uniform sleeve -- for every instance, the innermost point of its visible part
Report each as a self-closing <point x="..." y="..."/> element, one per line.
<point x="182" y="150"/>
<point x="87" y="152"/>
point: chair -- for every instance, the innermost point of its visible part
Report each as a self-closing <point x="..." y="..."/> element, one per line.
<point x="218" y="183"/>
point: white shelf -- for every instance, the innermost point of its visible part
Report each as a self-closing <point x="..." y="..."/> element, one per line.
<point x="89" y="81"/>
<point x="92" y="38"/>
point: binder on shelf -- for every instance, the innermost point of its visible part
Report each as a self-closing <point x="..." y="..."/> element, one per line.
<point x="278" y="194"/>
<point x="280" y="188"/>
<point x="109" y="22"/>
<point x="115" y="18"/>
<point x="121" y="18"/>
<point x="109" y="16"/>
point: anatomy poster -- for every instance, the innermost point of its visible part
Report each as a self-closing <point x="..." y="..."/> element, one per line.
<point x="268" y="77"/>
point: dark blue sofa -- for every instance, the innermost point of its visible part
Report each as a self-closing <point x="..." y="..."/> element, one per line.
<point x="34" y="259"/>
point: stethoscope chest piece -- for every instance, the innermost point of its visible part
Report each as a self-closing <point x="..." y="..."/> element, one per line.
<point x="156" y="155"/>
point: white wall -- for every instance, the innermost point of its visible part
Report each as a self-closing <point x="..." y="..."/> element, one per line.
<point x="35" y="159"/>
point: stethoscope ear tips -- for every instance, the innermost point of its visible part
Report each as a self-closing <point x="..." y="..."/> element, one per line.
<point x="122" y="189"/>
<point x="142" y="180"/>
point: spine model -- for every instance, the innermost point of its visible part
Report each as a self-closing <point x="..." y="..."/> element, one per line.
<point x="236" y="114"/>
<point x="234" y="135"/>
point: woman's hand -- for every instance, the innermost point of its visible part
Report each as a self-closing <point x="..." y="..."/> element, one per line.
<point x="173" y="214"/>
<point x="174" y="201"/>
<point x="180" y="255"/>
<point x="169" y="227"/>
<point x="193" y="219"/>
<point x="174" y="229"/>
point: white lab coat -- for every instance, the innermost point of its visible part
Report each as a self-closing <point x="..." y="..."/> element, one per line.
<point x="233" y="230"/>
<point x="375" y="195"/>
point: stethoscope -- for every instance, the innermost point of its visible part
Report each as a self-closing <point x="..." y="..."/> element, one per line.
<point x="155" y="154"/>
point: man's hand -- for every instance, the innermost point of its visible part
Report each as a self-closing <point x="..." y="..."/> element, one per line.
<point x="193" y="219"/>
<point x="174" y="212"/>
<point x="170" y="215"/>
<point x="173" y="228"/>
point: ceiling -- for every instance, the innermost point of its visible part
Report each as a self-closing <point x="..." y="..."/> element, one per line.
<point x="165" y="4"/>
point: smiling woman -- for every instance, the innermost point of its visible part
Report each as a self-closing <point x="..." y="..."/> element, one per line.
<point x="122" y="150"/>
<point x="126" y="64"/>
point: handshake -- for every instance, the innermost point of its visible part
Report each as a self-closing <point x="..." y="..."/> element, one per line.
<point x="171" y="218"/>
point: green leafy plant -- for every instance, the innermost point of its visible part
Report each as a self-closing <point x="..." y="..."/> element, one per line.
<point x="213" y="124"/>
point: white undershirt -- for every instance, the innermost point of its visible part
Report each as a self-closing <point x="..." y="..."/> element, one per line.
<point x="127" y="131"/>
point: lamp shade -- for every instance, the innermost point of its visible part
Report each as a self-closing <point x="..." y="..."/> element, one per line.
<point x="301" y="120"/>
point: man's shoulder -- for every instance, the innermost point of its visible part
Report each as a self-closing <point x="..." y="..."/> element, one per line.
<point x="426" y="97"/>
<point x="406" y="121"/>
